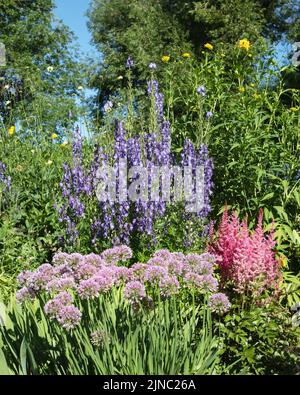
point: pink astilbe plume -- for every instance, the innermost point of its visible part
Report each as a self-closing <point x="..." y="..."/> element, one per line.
<point x="225" y="246"/>
<point x="246" y="259"/>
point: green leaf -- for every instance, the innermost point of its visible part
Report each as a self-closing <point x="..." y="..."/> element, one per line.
<point x="23" y="356"/>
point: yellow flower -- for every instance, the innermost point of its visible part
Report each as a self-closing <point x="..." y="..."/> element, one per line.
<point x="50" y="69"/>
<point x="242" y="89"/>
<point x="186" y="55"/>
<point x="252" y="85"/>
<point x="209" y="46"/>
<point x="223" y="55"/>
<point x="244" y="44"/>
<point x="19" y="168"/>
<point x="54" y="136"/>
<point x="282" y="260"/>
<point x="256" y="96"/>
<point x="64" y="144"/>
<point x="11" y="130"/>
<point x="49" y="162"/>
<point x="165" y="58"/>
<point x="294" y="109"/>
<point x="80" y="88"/>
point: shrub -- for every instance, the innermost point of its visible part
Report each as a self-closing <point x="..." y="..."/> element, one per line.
<point x="259" y="340"/>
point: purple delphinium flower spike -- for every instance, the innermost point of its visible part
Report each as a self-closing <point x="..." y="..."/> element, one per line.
<point x="129" y="63"/>
<point x="5" y="179"/>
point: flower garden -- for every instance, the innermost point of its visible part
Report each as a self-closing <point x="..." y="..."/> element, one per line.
<point x="145" y="285"/>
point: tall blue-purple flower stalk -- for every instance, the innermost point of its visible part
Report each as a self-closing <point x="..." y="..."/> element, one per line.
<point x="74" y="185"/>
<point x="116" y="221"/>
<point x="158" y="97"/>
<point x="122" y="207"/>
<point x="5" y="179"/>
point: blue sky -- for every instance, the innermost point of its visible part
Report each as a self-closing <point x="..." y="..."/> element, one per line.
<point x="72" y="13"/>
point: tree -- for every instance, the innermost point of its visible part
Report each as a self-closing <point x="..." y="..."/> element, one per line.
<point x="148" y="29"/>
<point x="137" y="28"/>
<point x="40" y="75"/>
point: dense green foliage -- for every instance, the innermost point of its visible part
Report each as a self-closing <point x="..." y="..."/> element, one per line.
<point x="29" y="228"/>
<point x="259" y="340"/>
<point x="163" y="341"/>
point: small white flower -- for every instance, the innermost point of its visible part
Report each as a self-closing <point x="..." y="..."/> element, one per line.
<point x="50" y="69"/>
<point x="80" y="88"/>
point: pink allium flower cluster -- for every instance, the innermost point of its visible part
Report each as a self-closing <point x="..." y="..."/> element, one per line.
<point x="40" y="278"/>
<point x="88" y="288"/>
<point x="169" y="285"/>
<point x="117" y="254"/>
<point x="69" y="316"/>
<point x="53" y="306"/>
<point x="134" y="291"/>
<point x="60" y="284"/>
<point x="246" y="259"/>
<point x="69" y="259"/>
<point x="154" y="273"/>
<point x="85" y="270"/>
<point x="204" y="283"/>
<point x="219" y="303"/>
<point x="62" y="309"/>
<point x="88" y="276"/>
<point x="24" y="294"/>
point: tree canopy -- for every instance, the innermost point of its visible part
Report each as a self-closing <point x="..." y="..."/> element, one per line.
<point x="40" y="71"/>
<point x="148" y="29"/>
